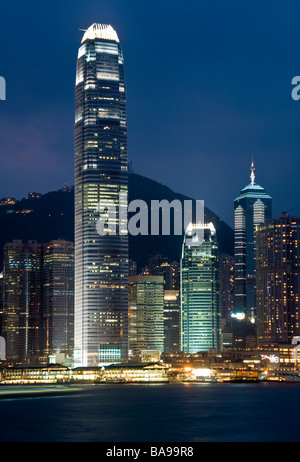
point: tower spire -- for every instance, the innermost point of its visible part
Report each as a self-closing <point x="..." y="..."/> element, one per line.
<point x="252" y="176"/>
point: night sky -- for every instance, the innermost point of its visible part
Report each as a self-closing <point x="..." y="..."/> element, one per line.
<point x="208" y="86"/>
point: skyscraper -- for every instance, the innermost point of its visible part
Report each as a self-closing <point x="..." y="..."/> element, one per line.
<point x="251" y="208"/>
<point x="172" y="321"/>
<point x="22" y="299"/>
<point x="58" y="298"/>
<point x="200" y="292"/>
<point x="227" y="288"/>
<point x="38" y="299"/>
<point x="101" y="179"/>
<point x="278" y="280"/>
<point x="1" y="302"/>
<point x="160" y="265"/>
<point x="146" y="313"/>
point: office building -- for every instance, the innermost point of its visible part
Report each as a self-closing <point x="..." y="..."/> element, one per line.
<point x="278" y="280"/>
<point x="251" y="208"/>
<point x="200" y="291"/>
<point x="146" y="314"/>
<point x="38" y="300"/>
<point x="22" y="299"/>
<point x="57" y="314"/>
<point x="227" y="288"/>
<point x="159" y="265"/>
<point x="101" y="185"/>
<point x="172" y="321"/>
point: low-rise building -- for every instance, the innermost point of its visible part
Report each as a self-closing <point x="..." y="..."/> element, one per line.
<point x="27" y="374"/>
<point x="140" y="372"/>
<point x="56" y="373"/>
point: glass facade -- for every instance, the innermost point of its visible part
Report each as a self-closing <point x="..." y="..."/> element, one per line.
<point x="200" y="293"/>
<point x="160" y="265"/>
<point x="22" y="299"/>
<point x="146" y="313"/>
<point x="251" y="208"/>
<point x="278" y="280"/>
<point x="58" y="298"/>
<point x="172" y="321"/>
<point x="38" y="299"/>
<point x="101" y="179"/>
<point x="227" y="288"/>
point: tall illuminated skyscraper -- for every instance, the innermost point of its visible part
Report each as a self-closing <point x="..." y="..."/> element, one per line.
<point x="101" y="179"/>
<point x="200" y="292"/>
<point x="278" y="280"/>
<point x="172" y="321"/>
<point x="58" y="298"/>
<point x="22" y="299"/>
<point x="227" y="287"/>
<point x="38" y="299"/>
<point x="251" y="208"/>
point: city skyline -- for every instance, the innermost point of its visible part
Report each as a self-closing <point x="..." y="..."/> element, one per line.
<point x="233" y="104"/>
<point x="147" y="284"/>
<point x="97" y="62"/>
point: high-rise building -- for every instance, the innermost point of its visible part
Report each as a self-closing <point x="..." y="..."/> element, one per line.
<point x="227" y="288"/>
<point x="251" y="208"/>
<point x="132" y="268"/>
<point x="170" y="270"/>
<point x="171" y="274"/>
<point x="38" y="299"/>
<point x="146" y="314"/>
<point x="172" y="321"/>
<point x="57" y="314"/>
<point x="227" y="299"/>
<point x="22" y="299"/>
<point x="200" y="291"/>
<point x="278" y="280"/>
<point x="1" y="302"/>
<point x="101" y="181"/>
<point x="155" y="261"/>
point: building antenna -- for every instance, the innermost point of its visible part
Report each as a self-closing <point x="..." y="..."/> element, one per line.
<point x="252" y="176"/>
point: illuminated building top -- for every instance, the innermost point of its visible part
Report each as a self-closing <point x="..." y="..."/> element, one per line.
<point x="100" y="31"/>
<point x="253" y="189"/>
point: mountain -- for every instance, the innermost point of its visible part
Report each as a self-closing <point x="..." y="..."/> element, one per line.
<point x="52" y="217"/>
<point x="141" y="246"/>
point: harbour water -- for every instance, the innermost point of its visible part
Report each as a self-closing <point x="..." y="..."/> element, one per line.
<point x="191" y="412"/>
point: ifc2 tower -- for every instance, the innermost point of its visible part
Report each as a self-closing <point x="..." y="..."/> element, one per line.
<point x="101" y="179"/>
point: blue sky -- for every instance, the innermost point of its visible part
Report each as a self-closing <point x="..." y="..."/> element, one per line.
<point x="208" y="86"/>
